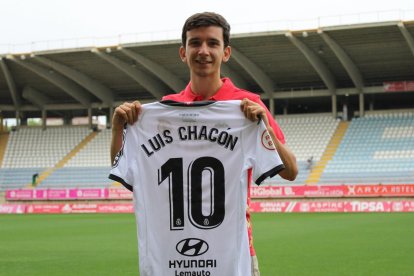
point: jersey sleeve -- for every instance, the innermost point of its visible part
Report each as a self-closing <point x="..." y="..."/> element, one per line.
<point x="121" y="168"/>
<point x="276" y="129"/>
<point x="266" y="160"/>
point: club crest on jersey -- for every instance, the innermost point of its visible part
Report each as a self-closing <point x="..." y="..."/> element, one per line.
<point x="267" y="141"/>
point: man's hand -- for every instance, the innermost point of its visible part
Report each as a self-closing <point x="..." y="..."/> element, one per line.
<point x="124" y="113"/>
<point x="254" y="111"/>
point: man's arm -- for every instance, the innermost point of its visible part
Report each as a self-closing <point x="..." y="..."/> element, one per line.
<point x="288" y="158"/>
<point x="126" y="113"/>
<point x="254" y="111"/>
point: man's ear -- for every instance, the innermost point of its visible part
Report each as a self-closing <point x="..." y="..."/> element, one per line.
<point x="182" y="54"/>
<point x="227" y="54"/>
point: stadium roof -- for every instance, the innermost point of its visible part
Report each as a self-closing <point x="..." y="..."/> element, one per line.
<point x="299" y="70"/>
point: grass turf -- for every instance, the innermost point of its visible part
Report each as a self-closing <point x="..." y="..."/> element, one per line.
<point x="335" y="244"/>
<point x="286" y="244"/>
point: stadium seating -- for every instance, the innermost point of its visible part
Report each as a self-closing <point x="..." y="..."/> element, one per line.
<point x="378" y="148"/>
<point x="16" y="178"/>
<point x="32" y="150"/>
<point x="78" y="177"/>
<point x="35" y="147"/>
<point x="88" y="168"/>
<point x="307" y="136"/>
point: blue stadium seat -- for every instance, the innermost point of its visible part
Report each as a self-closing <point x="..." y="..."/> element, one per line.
<point x="376" y="149"/>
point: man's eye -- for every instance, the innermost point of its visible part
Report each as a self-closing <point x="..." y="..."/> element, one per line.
<point x="194" y="43"/>
<point x="214" y="44"/>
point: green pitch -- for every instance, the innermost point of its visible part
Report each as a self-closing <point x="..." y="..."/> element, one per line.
<point x="286" y="244"/>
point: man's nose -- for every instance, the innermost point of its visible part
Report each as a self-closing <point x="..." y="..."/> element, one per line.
<point x="203" y="50"/>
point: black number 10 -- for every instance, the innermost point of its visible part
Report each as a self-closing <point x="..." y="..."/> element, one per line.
<point x="173" y="170"/>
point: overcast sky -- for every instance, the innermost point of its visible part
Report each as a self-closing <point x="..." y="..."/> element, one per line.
<point x="25" y="21"/>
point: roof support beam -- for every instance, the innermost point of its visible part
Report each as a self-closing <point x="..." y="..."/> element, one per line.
<point x="345" y="60"/>
<point x="257" y="74"/>
<point x="163" y="74"/>
<point x="408" y="38"/>
<point x="140" y="77"/>
<point x="17" y="101"/>
<point x="99" y="90"/>
<point x="276" y="95"/>
<point x="60" y="81"/>
<point x="322" y="70"/>
<point x="234" y="76"/>
<point x="326" y="92"/>
<point x="34" y="96"/>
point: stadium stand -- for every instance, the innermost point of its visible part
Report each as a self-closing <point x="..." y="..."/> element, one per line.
<point x="78" y="177"/>
<point x="378" y="148"/>
<point x="88" y="168"/>
<point x="95" y="153"/>
<point x="16" y="178"/>
<point x="34" y="147"/>
<point x="307" y="136"/>
<point x="31" y="150"/>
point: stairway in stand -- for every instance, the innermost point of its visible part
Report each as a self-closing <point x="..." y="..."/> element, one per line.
<point x="328" y="154"/>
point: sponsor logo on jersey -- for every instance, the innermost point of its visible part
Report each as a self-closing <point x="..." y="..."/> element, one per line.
<point x="192" y="247"/>
<point x="267" y="141"/>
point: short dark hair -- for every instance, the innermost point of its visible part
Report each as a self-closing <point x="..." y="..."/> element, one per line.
<point x="206" y="19"/>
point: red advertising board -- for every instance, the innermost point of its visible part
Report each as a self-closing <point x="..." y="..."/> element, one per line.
<point x="58" y="194"/>
<point x="75" y="208"/>
<point x="88" y="193"/>
<point x="68" y="194"/>
<point x="44" y="209"/>
<point x="333" y="191"/>
<point x="12" y="208"/>
<point x="355" y="206"/>
<point x="257" y="192"/>
<point x="296" y="191"/>
<point x="323" y="206"/>
<point x="117" y="193"/>
<point x="27" y="194"/>
<point x="398" y="86"/>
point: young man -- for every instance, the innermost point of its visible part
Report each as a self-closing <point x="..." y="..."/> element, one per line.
<point x="205" y="45"/>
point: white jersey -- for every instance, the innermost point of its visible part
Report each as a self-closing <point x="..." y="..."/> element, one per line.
<point x="187" y="164"/>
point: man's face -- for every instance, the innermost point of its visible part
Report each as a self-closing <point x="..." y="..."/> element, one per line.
<point x="204" y="51"/>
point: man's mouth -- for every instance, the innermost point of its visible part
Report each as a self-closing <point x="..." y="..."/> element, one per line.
<point x="203" y="61"/>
